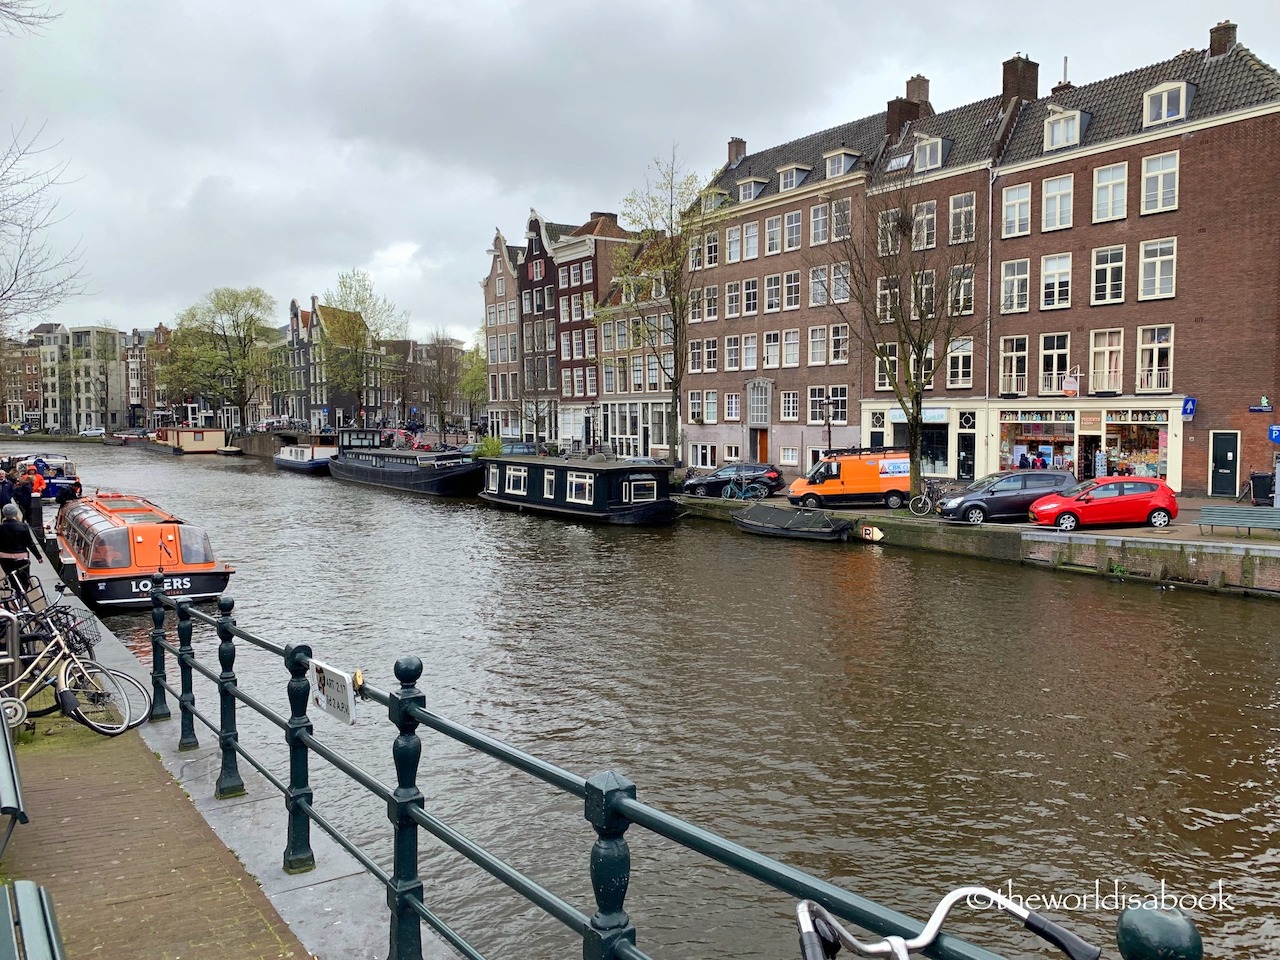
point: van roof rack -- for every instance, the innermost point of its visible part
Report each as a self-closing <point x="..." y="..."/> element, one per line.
<point x="858" y="451"/>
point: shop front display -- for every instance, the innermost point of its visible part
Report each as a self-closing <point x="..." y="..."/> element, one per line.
<point x="1137" y="443"/>
<point x="1030" y="437"/>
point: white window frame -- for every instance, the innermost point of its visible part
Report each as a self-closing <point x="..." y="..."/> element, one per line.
<point x="772" y="354"/>
<point x="960" y="289"/>
<point x="1111" y="192"/>
<point x="924" y="295"/>
<point x="841" y="218"/>
<point x="792" y="230"/>
<point x="712" y="241"/>
<point x="928" y="154"/>
<point x="711" y="302"/>
<point x="888" y="235"/>
<point x="1051" y="379"/>
<point x="1061" y="128"/>
<point x="1156" y="257"/>
<point x="580" y="487"/>
<point x="964" y="209"/>
<point x="791" y="347"/>
<point x="1109" y="379"/>
<point x="789" y="405"/>
<point x="1016" y="202"/>
<point x="791" y="290"/>
<point x="772" y="236"/>
<point x="517" y="481"/>
<point x="839" y="343"/>
<point x="732" y="244"/>
<point x="751" y="240"/>
<point x="1057" y="195"/>
<point x="886" y="366"/>
<point x="817" y="356"/>
<point x="1156" y="103"/>
<point x="732" y="352"/>
<point x="924" y="225"/>
<point x="1106" y="275"/>
<point x="773" y="293"/>
<point x="1011" y="381"/>
<point x="1014" y="286"/>
<point x="888" y="299"/>
<point x="1152" y="376"/>
<point x="819" y="224"/>
<point x="1160" y="187"/>
<point x="1055" y="281"/>
<point x="960" y="363"/>
<point x="733" y="299"/>
<point x="819" y="291"/>
<point x="749" y="355"/>
<point x="750" y="296"/>
<point x="840" y="278"/>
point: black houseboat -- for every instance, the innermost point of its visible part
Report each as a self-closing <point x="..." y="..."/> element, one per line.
<point x="362" y="459"/>
<point x="605" y="492"/>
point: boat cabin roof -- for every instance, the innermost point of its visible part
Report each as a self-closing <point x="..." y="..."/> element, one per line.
<point x="120" y="509"/>
<point x="598" y="466"/>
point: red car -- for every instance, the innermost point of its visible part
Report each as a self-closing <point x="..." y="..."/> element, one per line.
<point x="1108" y="501"/>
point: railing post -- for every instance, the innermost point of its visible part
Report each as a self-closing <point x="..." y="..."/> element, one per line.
<point x="610" y="866"/>
<point x="406" y="885"/>
<point x="298" y="856"/>
<point x="159" y="701"/>
<point x="229" y="782"/>
<point x="187" y="700"/>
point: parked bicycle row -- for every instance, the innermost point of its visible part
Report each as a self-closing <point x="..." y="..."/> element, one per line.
<point x="881" y="476"/>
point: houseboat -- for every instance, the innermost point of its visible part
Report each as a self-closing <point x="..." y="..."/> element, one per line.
<point x="112" y="548"/>
<point x="180" y="440"/>
<point x="362" y="459"/>
<point x="312" y="458"/>
<point x="601" y="492"/>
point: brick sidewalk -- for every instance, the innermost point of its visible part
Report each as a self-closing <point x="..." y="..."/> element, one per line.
<point x="135" y="871"/>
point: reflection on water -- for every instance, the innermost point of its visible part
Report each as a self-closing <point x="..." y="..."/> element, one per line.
<point x="899" y="723"/>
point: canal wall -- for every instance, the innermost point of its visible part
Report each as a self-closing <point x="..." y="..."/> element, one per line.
<point x="1243" y="567"/>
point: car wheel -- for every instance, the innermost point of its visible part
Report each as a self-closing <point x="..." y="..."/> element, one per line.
<point x="975" y="515"/>
<point x="810" y="500"/>
<point x="1068" y="521"/>
<point x="700" y="490"/>
<point x="894" y="500"/>
<point x="1159" y="518"/>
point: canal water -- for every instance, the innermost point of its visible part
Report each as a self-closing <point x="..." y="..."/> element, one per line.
<point x="899" y="723"/>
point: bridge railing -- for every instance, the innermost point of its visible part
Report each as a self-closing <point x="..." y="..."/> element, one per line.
<point x="609" y="801"/>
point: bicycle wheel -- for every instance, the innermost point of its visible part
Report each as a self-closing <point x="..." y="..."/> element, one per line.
<point x="139" y="696"/>
<point x="42" y="700"/>
<point x="920" y="505"/>
<point x="755" y="491"/>
<point x="730" y="492"/>
<point x="100" y="700"/>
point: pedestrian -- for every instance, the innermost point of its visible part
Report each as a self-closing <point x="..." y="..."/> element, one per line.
<point x="22" y="494"/>
<point x="69" y="492"/>
<point x="16" y="541"/>
<point x="37" y="481"/>
<point x="6" y="489"/>
<point x="1024" y="462"/>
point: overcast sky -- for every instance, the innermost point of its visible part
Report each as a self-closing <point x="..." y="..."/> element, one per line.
<point x="275" y="144"/>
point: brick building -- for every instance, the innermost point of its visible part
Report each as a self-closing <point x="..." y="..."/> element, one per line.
<point x="1110" y="245"/>
<point x="501" y="326"/>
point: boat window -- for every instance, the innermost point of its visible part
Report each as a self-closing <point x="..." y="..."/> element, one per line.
<point x="198" y="435"/>
<point x="110" y="549"/>
<point x="643" y="491"/>
<point x="195" y="545"/>
<point x="491" y="482"/>
<point x="549" y="484"/>
<point x="581" y="487"/>
<point x="517" y="480"/>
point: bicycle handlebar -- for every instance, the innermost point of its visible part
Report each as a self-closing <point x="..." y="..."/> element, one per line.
<point x="821" y="934"/>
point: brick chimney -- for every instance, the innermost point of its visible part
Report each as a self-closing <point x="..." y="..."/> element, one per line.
<point x="918" y="89"/>
<point x="1021" y="79"/>
<point x="737" y="150"/>
<point x="1222" y="38"/>
<point x="899" y="113"/>
<point x="607" y="217"/>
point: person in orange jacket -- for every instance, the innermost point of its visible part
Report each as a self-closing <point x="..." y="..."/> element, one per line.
<point x="37" y="482"/>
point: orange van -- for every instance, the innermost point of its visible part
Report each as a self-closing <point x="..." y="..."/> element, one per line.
<point x="858" y="475"/>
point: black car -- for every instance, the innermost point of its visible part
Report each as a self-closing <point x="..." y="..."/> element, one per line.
<point x="1002" y="496"/>
<point x="713" y="484"/>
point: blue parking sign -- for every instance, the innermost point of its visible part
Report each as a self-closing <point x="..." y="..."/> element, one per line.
<point x="1189" y="407"/>
<point x="1273" y="433"/>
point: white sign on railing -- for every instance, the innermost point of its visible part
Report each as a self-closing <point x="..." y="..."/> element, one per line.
<point x="333" y="692"/>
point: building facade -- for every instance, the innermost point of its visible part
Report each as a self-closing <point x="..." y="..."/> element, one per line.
<point x="1110" y="244"/>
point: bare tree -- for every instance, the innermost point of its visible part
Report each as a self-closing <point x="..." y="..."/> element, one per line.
<point x="670" y="216"/>
<point x="900" y="272"/>
<point x="23" y="16"/>
<point x="442" y="369"/>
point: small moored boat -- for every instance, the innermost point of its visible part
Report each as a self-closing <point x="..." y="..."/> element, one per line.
<point x="182" y="440"/>
<point x="768" y="520"/>
<point x="312" y="458"/>
<point x="603" y="492"/>
<point x="114" y="547"/>
<point x="361" y="459"/>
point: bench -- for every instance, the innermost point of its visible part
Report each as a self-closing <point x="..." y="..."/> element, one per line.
<point x="1242" y="518"/>
<point x="11" y="804"/>
<point x="30" y="930"/>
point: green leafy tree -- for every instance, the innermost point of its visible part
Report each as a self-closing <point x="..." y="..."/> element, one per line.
<point x="473" y="386"/>
<point x="221" y="349"/>
<point x="670" y="215"/>
<point x="355" y="320"/>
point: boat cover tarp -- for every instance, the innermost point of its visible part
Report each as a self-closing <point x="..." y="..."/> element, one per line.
<point x="784" y="518"/>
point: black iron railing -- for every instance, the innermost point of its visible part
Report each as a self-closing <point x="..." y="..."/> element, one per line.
<point x="609" y="802"/>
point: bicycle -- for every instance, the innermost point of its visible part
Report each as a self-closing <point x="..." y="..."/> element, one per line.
<point x="822" y="936"/>
<point x="55" y="648"/>
<point x="738" y="490"/>
<point x="923" y="504"/>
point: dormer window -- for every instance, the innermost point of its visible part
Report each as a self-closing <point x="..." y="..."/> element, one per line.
<point x="897" y="163"/>
<point x="840" y="163"/>
<point x="1165" y="103"/>
<point x="790" y="177"/>
<point x="712" y="199"/>
<point x="1061" y="128"/>
<point x="750" y="188"/>
<point x="928" y="154"/>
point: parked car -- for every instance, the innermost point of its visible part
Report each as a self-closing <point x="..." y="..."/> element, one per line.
<point x="1006" y="495"/>
<point x="1108" y="500"/>
<point x="652" y="461"/>
<point x="713" y="484"/>
<point x="519" y="450"/>
<point x="93" y="432"/>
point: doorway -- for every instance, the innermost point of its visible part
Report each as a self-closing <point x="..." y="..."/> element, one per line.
<point x="760" y="444"/>
<point x="1224" y="463"/>
<point x="966" y="444"/>
<point x="1087" y="460"/>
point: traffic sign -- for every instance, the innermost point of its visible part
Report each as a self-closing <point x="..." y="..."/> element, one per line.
<point x="1189" y="407"/>
<point x="1273" y="433"/>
